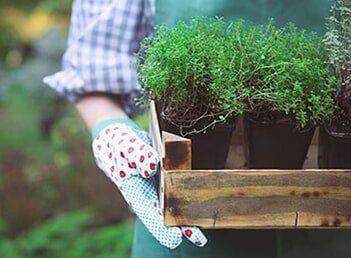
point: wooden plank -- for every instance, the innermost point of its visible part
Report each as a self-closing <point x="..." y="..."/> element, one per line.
<point x="257" y="198"/>
<point x="177" y="152"/>
<point x="161" y="189"/>
<point x="310" y="220"/>
<point x="155" y="132"/>
<point x="177" y="156"/>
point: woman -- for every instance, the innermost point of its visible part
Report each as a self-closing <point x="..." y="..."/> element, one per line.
<point x="99" y="76"/>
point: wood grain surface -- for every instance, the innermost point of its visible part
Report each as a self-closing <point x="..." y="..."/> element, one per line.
<point x="258" y="199"/>
<point x="179" y="152"/>
<point x="155" y="131"/>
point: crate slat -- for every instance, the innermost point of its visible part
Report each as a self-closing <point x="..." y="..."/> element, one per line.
<point x="178" y="150"/>
<point x="258" y="199"/>
<point x="155" y="130"/>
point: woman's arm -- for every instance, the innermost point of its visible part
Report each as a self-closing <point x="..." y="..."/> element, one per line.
<point x="96" y="107"/>
<point x="104" y="35"/>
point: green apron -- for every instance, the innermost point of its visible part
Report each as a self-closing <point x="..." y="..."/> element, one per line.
<point x="307" y="14"/>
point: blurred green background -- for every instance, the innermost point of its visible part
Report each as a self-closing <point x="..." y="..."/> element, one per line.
<point x="54" y="202"/>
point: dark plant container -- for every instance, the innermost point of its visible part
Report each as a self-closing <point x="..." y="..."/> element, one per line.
<point x="334" y="149"/>
<point x="210" y="148"/>
<point x="275" y="145"/>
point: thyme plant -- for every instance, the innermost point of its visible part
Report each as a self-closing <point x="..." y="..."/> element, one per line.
<point x="338" y="42"/>
<point x="193" y="69"/>
<point x="287" y="77"/>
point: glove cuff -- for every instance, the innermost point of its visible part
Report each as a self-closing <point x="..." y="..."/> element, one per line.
<point x="103" y="124"/>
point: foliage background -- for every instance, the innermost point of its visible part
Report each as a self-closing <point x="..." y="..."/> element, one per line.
<point x="54" y="202"/>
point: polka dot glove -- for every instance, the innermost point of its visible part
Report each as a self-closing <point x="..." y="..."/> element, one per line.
<point x="125" y="155"/>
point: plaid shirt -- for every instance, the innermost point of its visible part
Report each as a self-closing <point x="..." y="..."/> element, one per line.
<point x="103" y="38"/>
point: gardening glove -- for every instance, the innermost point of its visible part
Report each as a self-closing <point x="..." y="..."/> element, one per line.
<point x="124" y="153"/>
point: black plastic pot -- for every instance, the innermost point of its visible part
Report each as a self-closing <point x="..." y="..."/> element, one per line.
<point x="334" y="150"/>
<point x="275" y="146"/>
<point x="209" y="149"/>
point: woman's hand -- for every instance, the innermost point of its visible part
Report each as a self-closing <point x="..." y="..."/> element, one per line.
<point x="125" y="154"/>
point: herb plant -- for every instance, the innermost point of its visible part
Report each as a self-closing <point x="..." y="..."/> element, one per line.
<point x="338" y="42"/>
<point x="193" y="69"/>
<point x="286" y="75"/>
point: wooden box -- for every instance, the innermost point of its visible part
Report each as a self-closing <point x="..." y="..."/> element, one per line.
<point x="243" y="198"/>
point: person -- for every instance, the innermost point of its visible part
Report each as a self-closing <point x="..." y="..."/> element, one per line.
<point x="99" y="77"/>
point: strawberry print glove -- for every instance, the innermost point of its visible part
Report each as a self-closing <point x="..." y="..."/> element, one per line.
<point x="124" y="153"/>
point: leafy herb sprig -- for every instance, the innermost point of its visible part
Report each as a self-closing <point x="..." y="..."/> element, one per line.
<point x="338" y="42"/>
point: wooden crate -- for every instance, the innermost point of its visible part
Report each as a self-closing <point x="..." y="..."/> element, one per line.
<point x="243" y="198"/>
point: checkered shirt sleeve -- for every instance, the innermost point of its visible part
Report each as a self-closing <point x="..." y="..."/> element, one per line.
<point x="103" y="38"/>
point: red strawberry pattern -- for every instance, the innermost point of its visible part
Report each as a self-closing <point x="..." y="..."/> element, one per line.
<point x="132" y="165"/>
<point x="188" y="232"/>
<point x="149" y="155"/>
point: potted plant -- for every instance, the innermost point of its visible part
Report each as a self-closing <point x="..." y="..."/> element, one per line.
<point x="335" y="134"/>
<point x="191" y="69"/>
<point x="288" y="92"/>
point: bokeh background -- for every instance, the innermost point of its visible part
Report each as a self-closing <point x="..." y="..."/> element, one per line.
<point x="54" y="202"/>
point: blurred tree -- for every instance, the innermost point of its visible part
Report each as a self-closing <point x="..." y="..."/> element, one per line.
<point x="9" y="39"/>
<point x="22" y="22"/>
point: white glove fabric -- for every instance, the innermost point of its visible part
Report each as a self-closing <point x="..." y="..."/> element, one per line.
<point x="125" y="155"/>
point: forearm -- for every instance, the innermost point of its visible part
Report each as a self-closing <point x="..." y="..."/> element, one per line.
<point x="96" y="107"/>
